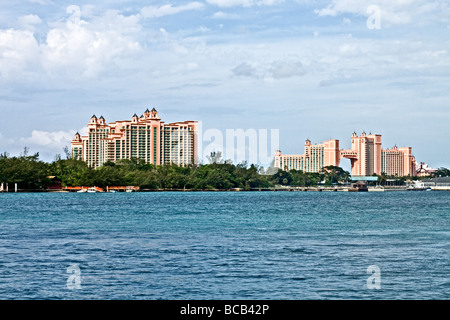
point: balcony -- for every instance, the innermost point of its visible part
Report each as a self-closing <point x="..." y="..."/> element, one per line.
<point x="349" y="154"/>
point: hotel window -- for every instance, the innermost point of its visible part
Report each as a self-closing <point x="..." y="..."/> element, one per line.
<point x="155" y="144"/>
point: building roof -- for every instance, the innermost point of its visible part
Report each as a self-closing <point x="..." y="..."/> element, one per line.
<point x="362" y="178"/>
<point x="438" y="180"/>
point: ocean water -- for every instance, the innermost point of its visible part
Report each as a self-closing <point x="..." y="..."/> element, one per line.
<point x="225" y="245"/>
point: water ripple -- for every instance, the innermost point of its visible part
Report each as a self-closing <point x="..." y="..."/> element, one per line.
<point x="256" y="245"/>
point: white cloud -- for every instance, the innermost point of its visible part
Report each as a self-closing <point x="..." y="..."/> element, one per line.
<point x="244" y="3"/>
<point x="279" y="69"/>
<point x="392" y="12"/>
<point x="46" y="143"/>
<point x="29" y="20"/>
<point x="52" y="140"/>
<point x="183" y="67"/>
<point x="168" y="9"/>
<point x="223" y="15"/>
<point x="85" y="48"/>
<point x="83" y="131"/>
<point x="245" y="69"/>
<point x="19" y="53"/>
<point x="349" y="49"/>
<point x="74" y="49"/>
<point x="286" y="69"/>
<point x="42" y="2"/>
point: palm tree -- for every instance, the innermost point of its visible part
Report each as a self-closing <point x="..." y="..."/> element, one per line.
<point x="382" y="179"/>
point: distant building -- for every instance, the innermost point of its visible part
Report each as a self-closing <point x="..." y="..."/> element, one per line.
<point x="55" y="183"/>
<point x="145" y="137"/>
<point x="440" y="183"/>
<point x="368" y="158"/>
<point x="315" y="158"/>
<point x="366" y="155"/>
<point x="423" y="170"/>
<point x="398" y="162"/>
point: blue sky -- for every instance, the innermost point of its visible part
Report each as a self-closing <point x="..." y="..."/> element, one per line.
<point x="312" y="69"/>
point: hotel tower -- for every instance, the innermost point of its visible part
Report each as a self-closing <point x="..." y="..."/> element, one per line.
<point x="145" y="137"/>
<point x="315" y="158"/>
<point x="366" y="156"/>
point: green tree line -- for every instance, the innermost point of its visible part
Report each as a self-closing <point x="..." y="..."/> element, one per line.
<point x="31" y="173"/>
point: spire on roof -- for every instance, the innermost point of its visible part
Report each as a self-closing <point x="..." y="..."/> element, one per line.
<point x="154" y="110"/>
<point x="94" y="117"/>
<point x="101" y="118"/>
<point x="147" y="111"/>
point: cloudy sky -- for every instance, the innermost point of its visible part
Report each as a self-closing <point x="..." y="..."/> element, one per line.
<point x="312" y="69"/>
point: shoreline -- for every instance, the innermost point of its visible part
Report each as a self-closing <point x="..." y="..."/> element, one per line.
<point x="289" y="189"/>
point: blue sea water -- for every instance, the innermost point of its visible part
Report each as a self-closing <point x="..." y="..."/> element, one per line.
<point x="225" y="245"/>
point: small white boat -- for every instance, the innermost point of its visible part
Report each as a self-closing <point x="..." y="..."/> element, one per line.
<point x="82" y="191"/>
<point x="418" y="189"/>
<point x="92" y="190"/>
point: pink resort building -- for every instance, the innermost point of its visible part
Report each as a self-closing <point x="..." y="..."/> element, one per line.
<point x="145" y="137"/>
<point x="423" y="170"/>
<point x="315" y="158"/>
<point x="366" y="156"/>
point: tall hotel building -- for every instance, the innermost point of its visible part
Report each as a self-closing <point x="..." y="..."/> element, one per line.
<point x="146" y="137"/>
<point x="315" y="158"/>
<point x="366" y="156"/>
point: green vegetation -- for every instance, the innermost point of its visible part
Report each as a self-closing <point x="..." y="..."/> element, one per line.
<point x="442" y="172"/>
<point x="334" y="175"/>
<point x="26" y="171"/>
<point x="32" y="174"/>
